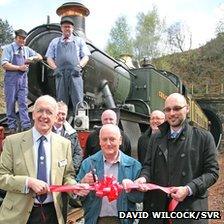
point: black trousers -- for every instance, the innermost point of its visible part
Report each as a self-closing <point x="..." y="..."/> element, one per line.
<point x="43" y="214"/>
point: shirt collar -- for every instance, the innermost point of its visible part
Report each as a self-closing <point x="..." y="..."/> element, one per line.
<point x="37" y="135"/>
<point x="69" y="39"/>
<point x="58" y="129"/>
<point x="16" y="46"/>
<point x="178" y="131"/>
<point x="118" y="160"/>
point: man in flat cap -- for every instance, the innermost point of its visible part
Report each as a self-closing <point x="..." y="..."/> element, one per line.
<point x="67" y="55"/>
<point x="15" y="61"/>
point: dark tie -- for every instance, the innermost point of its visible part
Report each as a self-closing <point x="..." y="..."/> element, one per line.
<point x="42" y="168"/>
<point x="66" y="39"/>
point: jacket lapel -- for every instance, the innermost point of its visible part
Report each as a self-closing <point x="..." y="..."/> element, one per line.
<point x="28" y="152"/>
<point x="163" y="148"/>
<point x="54" y="152"/>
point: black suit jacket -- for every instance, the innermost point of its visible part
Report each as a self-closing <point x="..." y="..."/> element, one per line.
<point x="143" y="144"/>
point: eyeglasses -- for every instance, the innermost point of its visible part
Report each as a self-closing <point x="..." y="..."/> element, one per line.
<point x="42" y="111"/>
<point x="175" y="109"/>
<point x="157" y="118"/>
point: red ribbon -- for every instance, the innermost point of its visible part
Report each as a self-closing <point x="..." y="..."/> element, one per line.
<point x="110" y="188"/>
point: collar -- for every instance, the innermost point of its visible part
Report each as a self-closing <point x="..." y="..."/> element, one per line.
<point x="178" y="131"/>
<point x="165" y="128"/>
<point x="16" y="46"/>
<point x="118" y="160"/>
<point x="69" y="39"/>
<point x="58" y="129"/>
<point x="37" y="135"/>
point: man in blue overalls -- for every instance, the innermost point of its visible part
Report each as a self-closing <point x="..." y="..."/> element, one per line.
<point x="67" y="55"/>
<point x="15" y="61"/>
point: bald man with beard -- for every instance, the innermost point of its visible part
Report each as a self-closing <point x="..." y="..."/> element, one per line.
<point x="182" y="157"/>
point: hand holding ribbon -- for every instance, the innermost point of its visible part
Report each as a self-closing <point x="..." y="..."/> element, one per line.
<point x="110" y="188"/>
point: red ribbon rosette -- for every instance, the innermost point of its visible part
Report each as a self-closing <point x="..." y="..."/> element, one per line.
<point x="108" y="187"/>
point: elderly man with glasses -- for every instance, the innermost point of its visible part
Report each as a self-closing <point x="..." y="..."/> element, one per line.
<point x="182" y="157"/>
<point x="157" y="117"/>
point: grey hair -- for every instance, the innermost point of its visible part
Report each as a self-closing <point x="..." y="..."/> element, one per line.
<point x="49" y="100"/>
<point x="111" y="127"/>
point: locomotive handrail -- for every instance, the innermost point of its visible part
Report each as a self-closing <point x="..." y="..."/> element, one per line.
<point x="115" y="61"/>
<point x="44" y="63"/>
<point x="219" y="141"/>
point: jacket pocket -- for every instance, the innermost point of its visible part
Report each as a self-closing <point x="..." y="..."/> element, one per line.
<point x="7" y="204"/>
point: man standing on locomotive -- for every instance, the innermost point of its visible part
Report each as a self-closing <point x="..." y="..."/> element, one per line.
<point x="67" y="55"/>
<point x="15" y="58"/>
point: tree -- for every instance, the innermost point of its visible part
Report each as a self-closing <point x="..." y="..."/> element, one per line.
<point x="120" y="40"/>
<point x="148" y="34"/>
<point x="6" y="33"/>
<point x="179" y="37"/>
<point x="220" y="27"/>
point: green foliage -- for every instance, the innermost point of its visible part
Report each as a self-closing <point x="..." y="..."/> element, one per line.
<point x="200" y="67"/>
<point x="220" y="26"/>
<point x="148" y="34"/>
<point x="149" y="30"/>
<point x="6" y="33"/>
<point x="120" y="40"/>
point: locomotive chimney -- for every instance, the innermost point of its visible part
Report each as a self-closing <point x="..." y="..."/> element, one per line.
<point x="77" y="12"/>
<point x="127" y="59"/>
<point x="145" y="62"/>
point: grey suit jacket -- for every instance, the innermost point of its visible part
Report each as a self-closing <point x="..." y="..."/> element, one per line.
<point x="17" y="163"/>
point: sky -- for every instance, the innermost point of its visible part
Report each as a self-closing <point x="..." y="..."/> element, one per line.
<point x="201" y="16"/>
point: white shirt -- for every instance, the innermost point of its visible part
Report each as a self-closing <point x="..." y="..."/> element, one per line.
<point x="47" y="146"/>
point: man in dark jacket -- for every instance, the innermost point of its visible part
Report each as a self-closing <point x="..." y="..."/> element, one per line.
<point x="181" y="156"/>
<point x="157" y="117"/>
<point x="62" y="127"/>
<point x="92" y="143"/>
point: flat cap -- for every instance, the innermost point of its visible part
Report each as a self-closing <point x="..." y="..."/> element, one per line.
<point x="21" y="33"/>
<point x="67" y="19"/>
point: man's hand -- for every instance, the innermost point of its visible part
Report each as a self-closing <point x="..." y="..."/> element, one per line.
<point x="141" y="181"/>
<point x="88" y="178"/>
<point x="126" y="184"/>
<point x="23" y="68"/>
<point x="179" y="193"/>
<point x="82" y="192"/>
<point x="38" y="186"/>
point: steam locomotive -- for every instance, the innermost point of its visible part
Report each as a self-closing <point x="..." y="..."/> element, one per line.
<point x="133" y="92"/>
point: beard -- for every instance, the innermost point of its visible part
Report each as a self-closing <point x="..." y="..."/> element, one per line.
<point x="176" y="123"/>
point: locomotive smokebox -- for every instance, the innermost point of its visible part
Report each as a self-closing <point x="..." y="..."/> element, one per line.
<point x="77" y="12"/>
